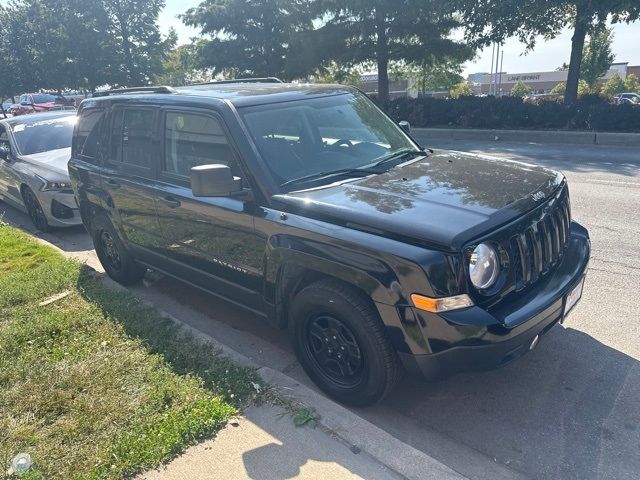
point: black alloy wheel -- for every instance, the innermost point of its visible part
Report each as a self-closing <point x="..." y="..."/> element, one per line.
<point x="334" y="349"/>
<point x="114" y="256"/>
<point x="342" y="344"/>
<point x="110" y="250"/>
<point x="35" y="211"/>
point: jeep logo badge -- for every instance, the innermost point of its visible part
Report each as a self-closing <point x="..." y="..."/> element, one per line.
<point x="539" y="196"/>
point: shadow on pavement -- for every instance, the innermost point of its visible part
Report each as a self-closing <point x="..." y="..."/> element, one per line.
<point x="568" y="410"/>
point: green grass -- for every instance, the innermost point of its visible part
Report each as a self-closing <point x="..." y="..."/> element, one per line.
<point x="96" y="384"/>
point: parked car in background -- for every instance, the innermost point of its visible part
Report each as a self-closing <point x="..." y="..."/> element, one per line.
<point x="309" y="206"/>
<point x="627" y="99"/>
<point x="40" y="102"/>
<point x="34" y="151"/>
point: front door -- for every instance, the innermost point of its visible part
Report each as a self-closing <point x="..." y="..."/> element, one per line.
<point x="129" y="178"/>
<point x="210" y="241"/>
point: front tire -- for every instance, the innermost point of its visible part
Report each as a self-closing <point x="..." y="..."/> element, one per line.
<point x="35" y="211"/>
<point x="342" y="344"/>
<point x="113" y="255"/>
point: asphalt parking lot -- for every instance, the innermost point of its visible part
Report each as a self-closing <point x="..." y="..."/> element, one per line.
<point x="570" y="409"/>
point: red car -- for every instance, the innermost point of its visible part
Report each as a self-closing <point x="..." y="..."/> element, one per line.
<point x="39" y="102"/>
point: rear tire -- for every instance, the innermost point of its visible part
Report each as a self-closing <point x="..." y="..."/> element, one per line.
<point x="35" y="211"/>
<point x="342" y="344"/>
<point x="113" y="255"/>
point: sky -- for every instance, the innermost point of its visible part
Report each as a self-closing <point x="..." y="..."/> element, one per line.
<point x="546" y="57"/>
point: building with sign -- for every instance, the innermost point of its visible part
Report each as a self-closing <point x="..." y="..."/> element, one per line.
<point x="540" y="82"/>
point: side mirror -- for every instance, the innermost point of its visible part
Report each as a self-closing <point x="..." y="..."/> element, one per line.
<point x="214" y="181"/>
<point x="4" y="152"/>
<point x="406" y="126"/>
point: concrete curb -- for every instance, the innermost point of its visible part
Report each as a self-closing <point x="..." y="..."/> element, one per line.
<point x="530" y="136"/>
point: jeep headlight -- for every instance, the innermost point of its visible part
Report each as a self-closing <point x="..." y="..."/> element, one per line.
<point x="484" y="266"/>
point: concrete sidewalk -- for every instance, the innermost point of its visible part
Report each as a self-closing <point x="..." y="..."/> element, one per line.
<point x="265" y="444"/>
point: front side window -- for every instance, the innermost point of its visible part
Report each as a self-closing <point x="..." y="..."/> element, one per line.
<point x="44" y="135"/>
<point x="193" y="139"/>
<point x="317" y="139"/>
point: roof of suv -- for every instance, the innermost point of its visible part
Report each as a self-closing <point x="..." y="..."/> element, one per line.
<point x="245" y="94"/>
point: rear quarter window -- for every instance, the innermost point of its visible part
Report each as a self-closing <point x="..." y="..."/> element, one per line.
<point x="88" y="136"/>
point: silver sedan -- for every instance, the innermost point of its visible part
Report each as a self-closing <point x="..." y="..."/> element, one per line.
<point x="34" y="151"/>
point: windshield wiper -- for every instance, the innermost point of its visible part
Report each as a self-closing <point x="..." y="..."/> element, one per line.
<point x="396" y="155"/>
<point x="344" y="171"/>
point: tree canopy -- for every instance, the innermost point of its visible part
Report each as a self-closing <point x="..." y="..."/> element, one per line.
<point x="489" y="21"/>
<point x="520" y="89"/>
<point x="386" y="31"/>
<point x="597" y="57"/>
<point x="253" y="38"/>
<point x="79" y="44"/>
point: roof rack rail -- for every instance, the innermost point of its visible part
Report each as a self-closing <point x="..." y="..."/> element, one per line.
<point x="239" y="80"/>
<point x="118" y="91"/>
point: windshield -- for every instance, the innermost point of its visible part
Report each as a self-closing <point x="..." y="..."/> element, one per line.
<point x="45" y="135"/>
<point x="309" y="139"/>
<point x="44" y="98"/>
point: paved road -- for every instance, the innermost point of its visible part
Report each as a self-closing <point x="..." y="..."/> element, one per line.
<point x="571" y="409"/>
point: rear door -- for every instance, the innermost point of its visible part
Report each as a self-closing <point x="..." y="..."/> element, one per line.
<point x="130" y="175"/>
<point x="209" y="241"/>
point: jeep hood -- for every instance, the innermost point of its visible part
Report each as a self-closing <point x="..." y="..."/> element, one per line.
<point x="445" y="200"/>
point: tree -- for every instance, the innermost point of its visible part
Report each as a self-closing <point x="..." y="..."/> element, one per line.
<point x="462" y="89"/>
<point x="335" y="73"/>
<point x="631" y="83"/>
<point x="597" y="57"/>
<point x="181" y="67"/>
<point x="488" y="21"/>
<point x="614" y="86"/>
<point x="139" y="47"/>
<point x="255" y="38"/>
<point x="520" y="89"/>
<point x="38" y="56"/>
<point x="559" y="89"/>
<point x="61" y="44"/>
<point x="388" y="31"/>
<point x="431" y="77"/>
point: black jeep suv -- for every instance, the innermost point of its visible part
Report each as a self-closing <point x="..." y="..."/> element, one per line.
<point x="308" y="205"/>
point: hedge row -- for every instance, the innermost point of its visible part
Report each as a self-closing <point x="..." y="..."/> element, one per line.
<point x="590" y="113"/>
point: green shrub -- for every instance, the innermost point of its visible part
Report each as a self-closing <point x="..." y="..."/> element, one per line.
<point x="591" y="112"/>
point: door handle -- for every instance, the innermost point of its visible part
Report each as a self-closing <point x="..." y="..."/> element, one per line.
<point x="170" y="201"/>
<point x="112" y="184"/>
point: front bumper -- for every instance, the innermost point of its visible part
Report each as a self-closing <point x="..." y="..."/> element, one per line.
<point x="476" y="339"/>
<point x="60" y="208"/>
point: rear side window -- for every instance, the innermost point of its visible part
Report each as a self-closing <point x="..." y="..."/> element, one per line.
<point x="192" y="139"/>
<point x="131" y="136"/>
<point x="87" y="139"/>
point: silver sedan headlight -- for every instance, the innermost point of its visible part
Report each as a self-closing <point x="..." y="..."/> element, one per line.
<point x="48" y="185"/>
<point x="484" y="266"/>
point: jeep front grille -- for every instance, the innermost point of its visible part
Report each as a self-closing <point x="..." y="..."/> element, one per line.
<point x="542" y="244"/>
